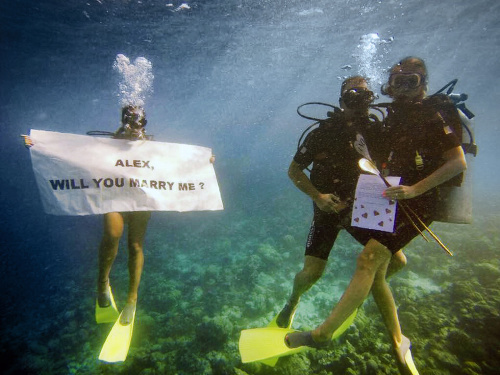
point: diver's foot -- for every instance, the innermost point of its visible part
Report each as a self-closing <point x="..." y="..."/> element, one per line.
<point x="404" y="359"/>
<point x="284" y="319"/>
<point x="296" y="339"/>
<point x="103" y="294"/>
<point x="127" y="314"/>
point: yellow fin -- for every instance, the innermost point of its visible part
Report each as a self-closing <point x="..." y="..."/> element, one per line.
<point x="263" y="343"/>
<point x="410" y="364"/>
<point x="338" y="332"/>
<point x="115" y="349"/>
<point x="272" y="324"/>
<point x="347" y="323"/>
<point x="106" y="314"/>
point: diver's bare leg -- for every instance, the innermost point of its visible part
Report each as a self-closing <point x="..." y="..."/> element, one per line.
<point x="385" y="302"/>
<point x="312" y="270"/>
<point x="138" y="222"/>
<point x="113" y="230"/>
<point x="373" y="258"/>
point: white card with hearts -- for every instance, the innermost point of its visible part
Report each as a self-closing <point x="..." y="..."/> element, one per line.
<point x="371" y="210"/>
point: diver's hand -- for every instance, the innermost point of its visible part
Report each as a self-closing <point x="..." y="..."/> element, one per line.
<point x="212" y="159"/>
<point x="28" y="142"/>
<point x="400" y="192"/>
<point x="329" y="203"/>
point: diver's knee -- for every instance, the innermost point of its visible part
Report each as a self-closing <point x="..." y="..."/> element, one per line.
<point x="400" y="259"/>
<point x="372" y="256"/>
<point x="135" y="248"/>
<point x="364" y="262"/>
<point x="110" y="240"/>
<point x="309" y="275"/>
<point x="313" y="268"/>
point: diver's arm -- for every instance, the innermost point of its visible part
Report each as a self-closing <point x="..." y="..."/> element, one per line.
<point x="300" y="179"/>
<point x="326" y="202"/>
<point x="454" y="164"/>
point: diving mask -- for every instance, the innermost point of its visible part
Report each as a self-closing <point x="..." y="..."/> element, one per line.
<point x="406" y="80"/>
<point x="133" y="122"/>
<point x="357" y="98"/>
<point x="134" y="117"/>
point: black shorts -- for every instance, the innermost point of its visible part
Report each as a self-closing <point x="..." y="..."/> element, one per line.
<point x="404" y="230"/>
<point x="325" y="228"/>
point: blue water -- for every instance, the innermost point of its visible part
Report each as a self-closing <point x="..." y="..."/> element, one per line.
<point x="229" y="74"/>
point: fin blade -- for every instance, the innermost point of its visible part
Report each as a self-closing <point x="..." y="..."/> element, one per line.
<point x="264" y="343"/>
<point x="270" y="361"/>
<point x="248" y="350"/>
<point x="410" y="364"/>
<point x="272" y="324"/>
<point x="347" y="323"/>
<point x="117" y="344"/>
<point x="107" y="314"/>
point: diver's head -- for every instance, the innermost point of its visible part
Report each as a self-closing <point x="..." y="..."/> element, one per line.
<point x="355" y="97"/>
<point x="134" y="117"/>
<point x="407" y="80"/>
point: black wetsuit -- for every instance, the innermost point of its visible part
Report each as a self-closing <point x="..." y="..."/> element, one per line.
<point x="331" y="150"/>
<point x="411" y="145"/>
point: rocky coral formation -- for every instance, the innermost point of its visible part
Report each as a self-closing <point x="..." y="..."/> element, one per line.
<point x="201" y="289"/>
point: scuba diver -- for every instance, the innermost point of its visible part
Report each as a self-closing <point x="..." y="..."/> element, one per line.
<point x="133" y="128"/>
<point x="116" y="346"/>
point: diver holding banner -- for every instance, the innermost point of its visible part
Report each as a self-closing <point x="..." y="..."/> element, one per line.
<point x="124" y="178"/>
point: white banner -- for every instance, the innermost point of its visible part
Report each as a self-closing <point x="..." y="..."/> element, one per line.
<point x="84" y="175"/>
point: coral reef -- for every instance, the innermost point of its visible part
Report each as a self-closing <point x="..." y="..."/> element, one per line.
<point x="206" y="280"/>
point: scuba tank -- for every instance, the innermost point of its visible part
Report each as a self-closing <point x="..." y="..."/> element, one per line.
<point x="455" y="196"/>
<point x="465" y="114"/>
<point x="455" y="202"/>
